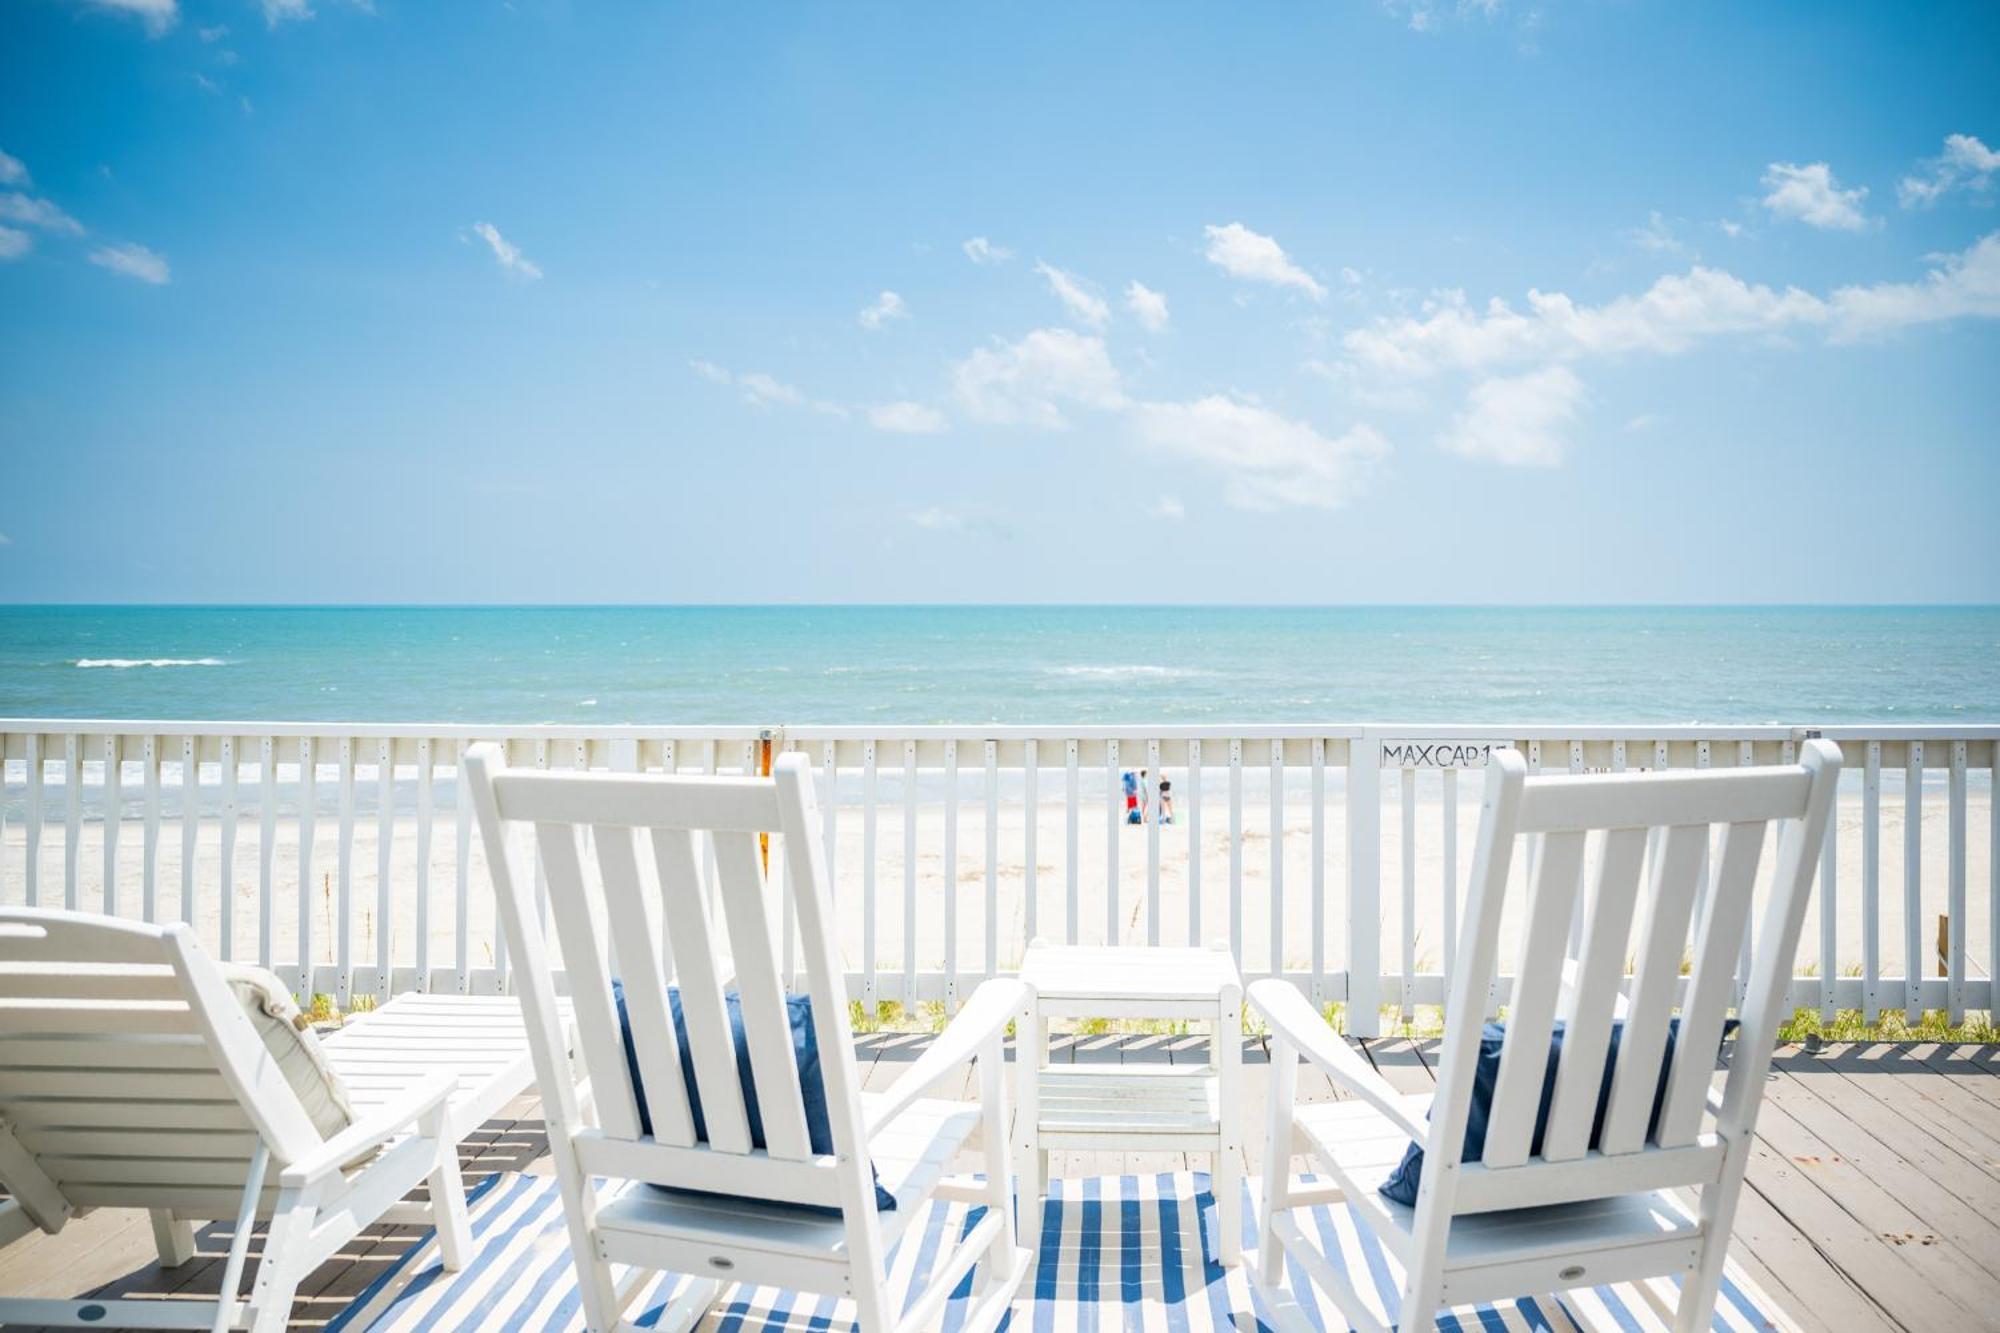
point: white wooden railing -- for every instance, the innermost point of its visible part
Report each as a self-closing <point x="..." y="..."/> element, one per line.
<point x="1352" y="837"/>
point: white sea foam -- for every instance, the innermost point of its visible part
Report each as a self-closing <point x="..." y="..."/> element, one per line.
<point x="125" y="663"/>
<point x="1137" y="671"/>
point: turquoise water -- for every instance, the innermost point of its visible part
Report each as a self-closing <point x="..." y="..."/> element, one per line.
<point x="1054" y="665"/>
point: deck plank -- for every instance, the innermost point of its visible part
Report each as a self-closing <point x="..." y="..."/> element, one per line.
<point x="1858" y="1148"/>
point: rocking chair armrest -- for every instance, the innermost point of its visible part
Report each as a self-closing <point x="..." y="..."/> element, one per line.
<point x="377" y="1127"/>
<point x="982" y="1024"/>
<point x="1296" y="1022"/>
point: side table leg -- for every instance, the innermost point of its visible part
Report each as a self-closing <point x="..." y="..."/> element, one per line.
<point x="1226" y="1173"/>
<point x="1030" y="1163"/>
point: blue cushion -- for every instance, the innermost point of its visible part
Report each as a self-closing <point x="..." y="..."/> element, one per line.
<point x="805" y="1050"/>
<point x="1401" y="1186"/>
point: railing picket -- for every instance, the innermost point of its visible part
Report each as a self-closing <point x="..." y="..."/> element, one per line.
<point x="1993" y="880"/>
<point x="1448" y="947"/>
<point x="114" y="777"/>
<point x="1871" y="883"/>
<point x="1031" y="807"/>
<point x="1114" y="816"/>
<point x="72" y="822"/>
<point x="267" y="848"/>
<point x="951" y="875"/>
<point x="308" y="802"/>
<point x="1318" y="989"/>
<point x="1955" y="908"/>
<point x="993" y="858"/>
<point x="1746" y="756"/>
<point x="190" y="823"/>
<point x="1407" y="785"/>
<point x="343" y="984"/>
<point x="1072" y="803"/>
<point x="461" y="926"/>
<point x="149" y="871"/>
<point x="1829" y="920"/>
<point x="426" y="812"/>
<point x="1276" y="801"/>
<point x="910" y="876"/>
<point x="1236" y="851"/>
<point x="226" y="909"/>
<point x="32" y="870"/>
<point x="1153" y="843"/>
<point x="1913" y="884"/>
<point x="1194" y="938"/>
<point x="385" y="829"/>
<point x="870" y="988"/>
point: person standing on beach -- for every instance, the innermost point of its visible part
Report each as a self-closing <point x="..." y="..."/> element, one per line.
<point x="1134" y="814"/>
<point x="1165" y="814"/>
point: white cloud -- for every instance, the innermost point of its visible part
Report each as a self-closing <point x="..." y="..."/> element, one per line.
<point x="1966" y="163"/>
<point x="1270" y="461"/>
<point x="14" y="244"/>
<point x="1084" y="306"/>
<point x="1030" y="382"/>
<point x="157" y="15"/>
<point x="1147" y="306"/>
<point x="1657" y="236"/>
<point x="213" y="34"/>
<point x="1167" y="507"/>
<point x="1673" y="314"/>
<point x="982" y="251"/>
<point x="762" y="390"/>
<point x="882" y="309"/>
<point x="935" y="519"/>
<point x="132" y="260"/>
<point x="5" y="540"/>
<point x="12" y="170"/>
<point x="1811" y="195"/>
<point x="206" y="84"/>
<point x="1963" y="285"/>
<point x="1730" y="228"/>
<point x="1522" y="420"/>
<point x="1242" y="253"/>
<point x="1644" y="421"/>
<point x="38" y="213"/>
<point x="506" y="253"/>
<point x="907" y="418"/>
<point x="279" y="11"/>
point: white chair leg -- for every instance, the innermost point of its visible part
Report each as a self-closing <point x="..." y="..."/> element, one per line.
<point x="173" y="1237"/>
<point x="279" y="1273"/>
<point x="1004" y="1261"/>
<point x="1277" y="1160"/>
<point x="447" y="1187"/>
<point x="1226" y="1180"/>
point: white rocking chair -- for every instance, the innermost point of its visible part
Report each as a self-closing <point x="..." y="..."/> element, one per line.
<point x="780" y="1214"/>
<point x="1577" y="1202"/>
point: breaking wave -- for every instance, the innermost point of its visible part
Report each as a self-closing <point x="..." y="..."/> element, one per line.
<point x="126" y="663"/>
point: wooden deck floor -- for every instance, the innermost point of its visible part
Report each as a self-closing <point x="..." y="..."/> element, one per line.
<point x="1874" y="1198"/>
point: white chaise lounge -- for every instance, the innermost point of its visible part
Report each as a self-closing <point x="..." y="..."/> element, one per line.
<point x="136" y="1072"/>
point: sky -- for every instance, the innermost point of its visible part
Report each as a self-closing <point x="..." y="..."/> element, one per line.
<point x="1454" y="301"/>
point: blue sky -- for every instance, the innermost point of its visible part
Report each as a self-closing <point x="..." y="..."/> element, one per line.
<point x="309" y="300"/>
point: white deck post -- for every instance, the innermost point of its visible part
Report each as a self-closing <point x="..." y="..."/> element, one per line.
<point x="1364" y="886"/>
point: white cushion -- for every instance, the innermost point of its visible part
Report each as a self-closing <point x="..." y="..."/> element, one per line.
<point x="290" y="1040"/>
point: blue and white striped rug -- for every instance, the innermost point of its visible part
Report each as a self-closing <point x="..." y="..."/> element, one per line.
<point x="1120" y="1254"/>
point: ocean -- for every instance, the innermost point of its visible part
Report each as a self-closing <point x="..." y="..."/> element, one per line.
<point x="1046" y="665"/>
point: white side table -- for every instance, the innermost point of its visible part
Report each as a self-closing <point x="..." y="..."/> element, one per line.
<point x="1127" y="1108"/>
